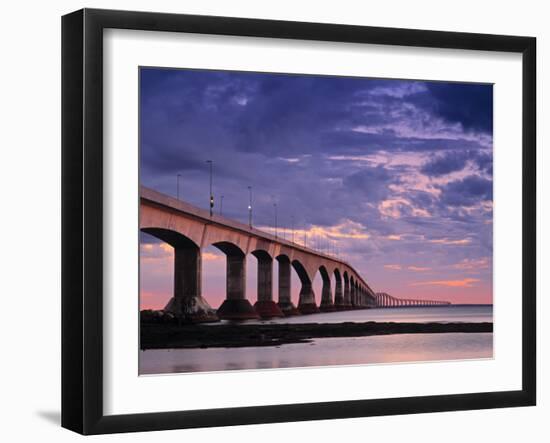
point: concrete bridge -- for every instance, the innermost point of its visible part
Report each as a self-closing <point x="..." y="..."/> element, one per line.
<point x="189" y="230"/>
<point x="383" y="300"/>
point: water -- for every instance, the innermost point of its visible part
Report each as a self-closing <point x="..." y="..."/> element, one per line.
<point x="439" y="314"/>
<point x="340" y="351"/>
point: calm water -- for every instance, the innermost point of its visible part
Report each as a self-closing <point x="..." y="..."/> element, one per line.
<point x="340" y="351"/>
<point x="440" y="314"/>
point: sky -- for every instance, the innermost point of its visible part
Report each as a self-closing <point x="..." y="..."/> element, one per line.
<point x="395" y="176"/>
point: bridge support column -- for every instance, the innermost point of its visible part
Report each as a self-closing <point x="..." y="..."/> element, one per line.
<point x="347" y="294"/>
<point x="236" y="306"/>
<point x="285" y="302"/>
<point x="326" y="298"/>
<point x="187" y="303"/>
<point x="265" y="306"/>
<point x="338" y="295"/>
<point x="306" y="304"/>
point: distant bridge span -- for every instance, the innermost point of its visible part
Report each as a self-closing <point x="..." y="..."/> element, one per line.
<point x="384" y="300"/>
<point x="189" y="229"/>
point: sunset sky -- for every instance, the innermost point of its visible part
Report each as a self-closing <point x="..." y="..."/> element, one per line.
<point x="395" y="175"/>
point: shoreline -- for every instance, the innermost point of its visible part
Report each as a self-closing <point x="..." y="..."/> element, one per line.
<point x="170" y="336"/>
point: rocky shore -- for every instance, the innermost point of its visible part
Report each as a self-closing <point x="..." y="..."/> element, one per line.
<point x="155" y="335"/>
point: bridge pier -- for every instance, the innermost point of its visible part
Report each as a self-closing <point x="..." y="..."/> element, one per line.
<point x="285" y="302"/>
<point x="236" y="306"/>
<point x="265" y="306"/>
<point x="338" y="294"/>
<point x="347" y="293"/>
<point x="327" y="304"/>
<point x="306" y="303"/>
<point x="326" y="299"/>
<point x="187" y="303"/>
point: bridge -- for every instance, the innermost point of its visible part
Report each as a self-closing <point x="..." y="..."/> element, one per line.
<point x="189" y="230"/>
<point x="384" y="300"/>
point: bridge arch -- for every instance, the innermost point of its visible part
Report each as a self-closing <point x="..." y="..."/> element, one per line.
<point x="173" y="238"/>
<point x="186" y="302"/>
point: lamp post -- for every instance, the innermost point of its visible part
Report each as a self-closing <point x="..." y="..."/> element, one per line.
<point x="250" y="207"/>
<point x="292" y="227"/>
<point x="221" y="205"/>
<point x="211" y="196"/>
<point x="275" y="206"/>
<point x="178" y="186"/>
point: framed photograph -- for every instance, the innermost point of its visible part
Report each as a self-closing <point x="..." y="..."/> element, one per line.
<point x="269" y="221"/>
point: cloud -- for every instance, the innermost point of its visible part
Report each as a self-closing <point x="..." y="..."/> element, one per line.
<point x="457" y="160"/>
<point x="370" y="182"/>
<point x="151" y="252"/>
<point x="290" y="159"/>
<point x="464" y="283"/>
<point x="446" y="163"/>
<point x="470" y="190"/>
<point x="399" y="207"/>
<point x="473" y="264"/>
<point x="399" y="90"/>
<point x="346" y="230"/>
<point x="418" y="268"/>
<point x="393" y="237"/>
<point x="470" y="105"/>
<point x="210" y="256"/>
<point x="447" y="241"/>
<point x="393" y="267"/>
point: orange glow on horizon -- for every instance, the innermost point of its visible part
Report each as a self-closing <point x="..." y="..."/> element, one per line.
<point x="464" y="283"/>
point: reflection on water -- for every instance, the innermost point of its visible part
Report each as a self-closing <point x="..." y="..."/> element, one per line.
<point x="322" y="352"/>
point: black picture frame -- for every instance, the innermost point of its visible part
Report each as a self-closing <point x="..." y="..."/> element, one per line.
<point x="82" y="215"/>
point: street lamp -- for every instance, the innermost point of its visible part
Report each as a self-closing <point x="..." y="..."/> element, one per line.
<point x="221" y="204"/>
<point x="292" y="227"/>
<point x="178" y="186"/>
<point x="250" y="207"/>
<point x="275" y="206"/>
<point x="211" y="196"/>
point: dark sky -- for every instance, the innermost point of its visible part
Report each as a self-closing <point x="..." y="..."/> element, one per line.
<point x="397" y="175"/>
